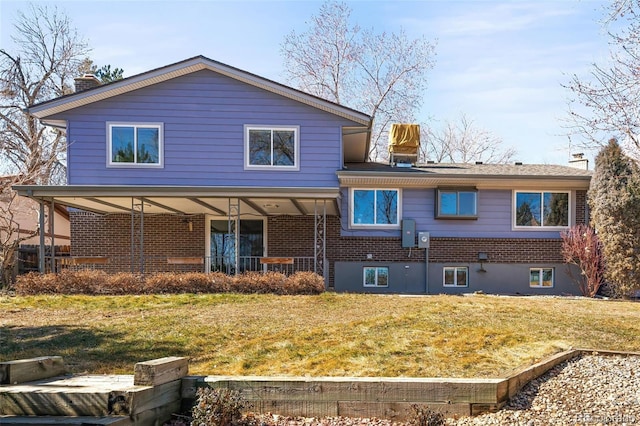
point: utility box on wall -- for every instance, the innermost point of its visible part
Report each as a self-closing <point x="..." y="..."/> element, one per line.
<point x="408" y="233"/>
<point x="423" y="239"/>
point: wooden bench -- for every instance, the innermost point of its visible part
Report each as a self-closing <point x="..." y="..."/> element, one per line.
<point x="185" y="261"/>
<point x="265" y="261"/>
<point x="84" y="260"/>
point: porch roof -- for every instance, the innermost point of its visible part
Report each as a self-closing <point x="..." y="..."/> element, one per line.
<point x="190" y="200"/>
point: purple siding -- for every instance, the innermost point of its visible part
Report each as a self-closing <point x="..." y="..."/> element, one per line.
<point x="204" y="115"/>
<point x="494" y="217"/>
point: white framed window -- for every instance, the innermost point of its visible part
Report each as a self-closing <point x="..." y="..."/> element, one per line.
<point x="272" y="147"/>
<point x="541" y="209"/>
<point x="456" y="203"/>
<point x="375" y="276"/>
<point x="135" y="144"/>
<point x="375" y="208"/>
<point x="541" y="277"/>
<point x="455" y="276"/>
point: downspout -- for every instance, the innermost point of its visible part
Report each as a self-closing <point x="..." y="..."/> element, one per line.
<point x="142" y="236"/>
<point x="41" y="251"/>
<point x="132" y="242"/>
<point x="426" y="267"/>
<point x="52" y="217"/>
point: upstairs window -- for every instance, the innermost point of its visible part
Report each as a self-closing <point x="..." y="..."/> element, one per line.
<point x="456" y="204"/>
<point x="541" y="209"/>
<point x="375" y="207"/>
<point x="272" y="148"/>
<point x="137" y="144"/>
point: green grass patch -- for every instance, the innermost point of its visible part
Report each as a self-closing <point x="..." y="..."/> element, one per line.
<point x="324" y="335"/>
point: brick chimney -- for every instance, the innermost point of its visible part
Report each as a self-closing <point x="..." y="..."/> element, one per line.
<point x="86" y="82"/>
<point x="578" y="161"/>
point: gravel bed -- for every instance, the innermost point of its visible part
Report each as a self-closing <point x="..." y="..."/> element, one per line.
<point x="587" y="390"/>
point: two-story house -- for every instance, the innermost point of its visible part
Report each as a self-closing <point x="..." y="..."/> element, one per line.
<point x="202" y="166"/>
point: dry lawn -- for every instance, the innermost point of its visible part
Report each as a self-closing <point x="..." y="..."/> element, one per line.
<point x="326" y="335"/>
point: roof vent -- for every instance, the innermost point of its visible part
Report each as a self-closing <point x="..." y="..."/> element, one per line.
<point x="404" y="144"/>
<point x="478" y="162"/>
<point x="431" y="162"/>
<point x="518" y="163"/>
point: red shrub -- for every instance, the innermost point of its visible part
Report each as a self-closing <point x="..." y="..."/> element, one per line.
<point x="582" y="247"/>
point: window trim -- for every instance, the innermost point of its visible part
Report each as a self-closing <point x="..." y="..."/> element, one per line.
<point x="354" y="225"/>
<point x="135" y="125"/>
<point x="457" y="190"/>
<point x="514" y="212"/>
<point x="296" y="141"/>
<point x="455" y="272"/>
<point x="541" y="270"/>
<point x="364" y="276"/>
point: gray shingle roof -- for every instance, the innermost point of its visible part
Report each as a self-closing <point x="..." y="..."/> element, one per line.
<point x="467" y="170"/>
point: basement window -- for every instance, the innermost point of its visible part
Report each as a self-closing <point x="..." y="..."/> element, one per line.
<point x="541" y="277"/>
<point x="376" y="276"/>
<point x="455" y="276"/>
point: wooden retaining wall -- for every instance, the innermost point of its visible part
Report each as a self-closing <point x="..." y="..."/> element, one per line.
<point x="160" y="387"/>
<point x="388" y="398"/>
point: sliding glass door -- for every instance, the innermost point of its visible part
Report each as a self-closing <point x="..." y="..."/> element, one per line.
<point x="223" y="245"/>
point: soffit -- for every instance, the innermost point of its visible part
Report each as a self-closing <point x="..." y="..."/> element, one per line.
<point x="189" y="200"/>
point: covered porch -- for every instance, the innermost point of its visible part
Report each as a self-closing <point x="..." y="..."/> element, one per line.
<point x="146" y="229"/>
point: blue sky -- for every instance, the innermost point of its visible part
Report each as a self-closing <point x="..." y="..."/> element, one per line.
<point x="501" y="63"/>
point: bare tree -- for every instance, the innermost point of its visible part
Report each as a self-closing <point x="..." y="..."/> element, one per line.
<point x="462" y="141"/>
<point x="383" y="74"/>
<point x="607" y="102"/>
<point x="47" y="57"/>
<point x="582" y="248"/>
<point x="19" y="222"/>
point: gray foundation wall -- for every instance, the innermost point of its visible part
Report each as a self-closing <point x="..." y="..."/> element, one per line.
<point x="410" y="278"/>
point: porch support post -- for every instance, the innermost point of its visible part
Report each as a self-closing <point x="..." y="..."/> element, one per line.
<point x="52" y="219"/>
<point x="41" y="251"/>
<point x="234" y="209"/>
<point x="320" y="240"/>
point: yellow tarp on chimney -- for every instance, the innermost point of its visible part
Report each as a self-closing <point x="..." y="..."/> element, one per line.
<point x="404" y="139"/>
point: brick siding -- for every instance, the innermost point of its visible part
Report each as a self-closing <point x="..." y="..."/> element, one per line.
<point x="293" y="236"/>
<point x="110" y="235"/>
<point x="581" y="208"/>
<point x="289" y="236"/>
